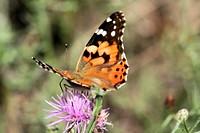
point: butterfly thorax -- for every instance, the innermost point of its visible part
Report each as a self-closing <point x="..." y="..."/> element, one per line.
<point x="72" y="74"/>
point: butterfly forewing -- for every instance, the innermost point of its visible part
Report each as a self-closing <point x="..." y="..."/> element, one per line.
<point x="105" y="47"/>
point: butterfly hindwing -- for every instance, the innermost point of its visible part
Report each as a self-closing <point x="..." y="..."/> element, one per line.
<point x="118" y="76"/>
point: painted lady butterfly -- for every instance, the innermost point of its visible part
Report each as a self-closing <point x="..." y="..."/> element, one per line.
<point x="103" y="61"/>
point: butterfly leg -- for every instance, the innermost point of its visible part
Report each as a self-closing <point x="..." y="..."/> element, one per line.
<point x="65" y="90"/>
<point x="60" y="84"/>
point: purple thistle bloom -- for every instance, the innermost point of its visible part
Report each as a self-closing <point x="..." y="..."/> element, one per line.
<point x="102" y="120"/>
<point x="75" y="111"/>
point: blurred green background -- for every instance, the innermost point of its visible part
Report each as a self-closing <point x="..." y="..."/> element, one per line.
<point x="162" y="44"/>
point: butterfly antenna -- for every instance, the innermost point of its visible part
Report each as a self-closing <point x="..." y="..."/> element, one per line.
<point x="66" y="46"/>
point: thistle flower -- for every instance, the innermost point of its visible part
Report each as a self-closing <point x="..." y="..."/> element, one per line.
<point x="75" y="111"/>
<point x="102" y="120"/>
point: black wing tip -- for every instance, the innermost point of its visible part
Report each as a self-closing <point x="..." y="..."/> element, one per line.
<point x="120" y="15"/>
<point x="37" y="61"/>
<point x="33" y="58"/>
<point x="119" y="12"/>
<point x="43" y="65"/>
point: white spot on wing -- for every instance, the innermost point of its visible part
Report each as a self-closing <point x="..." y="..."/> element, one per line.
<point x="123" y="30"/>
<point x="122" y="46"/>
<point x="124" y="56"/>
<point x="113" y="33"/>
<point x="99" y="31"/>
<point x="121" y="38"/>
<point x="108" y="19"/>
<point x="104" y="33"/>
<point x="114" y="27"/>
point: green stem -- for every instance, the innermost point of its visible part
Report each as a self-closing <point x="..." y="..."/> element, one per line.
<point x="167" y="121"/>
<point x="195" y="125"/>
<point x="97" y="108"/>
<point x="186" y="129"/>
<point x="176" y="126"/>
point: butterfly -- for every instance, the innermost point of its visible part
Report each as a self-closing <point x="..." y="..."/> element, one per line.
<point x="103" y="61"/>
